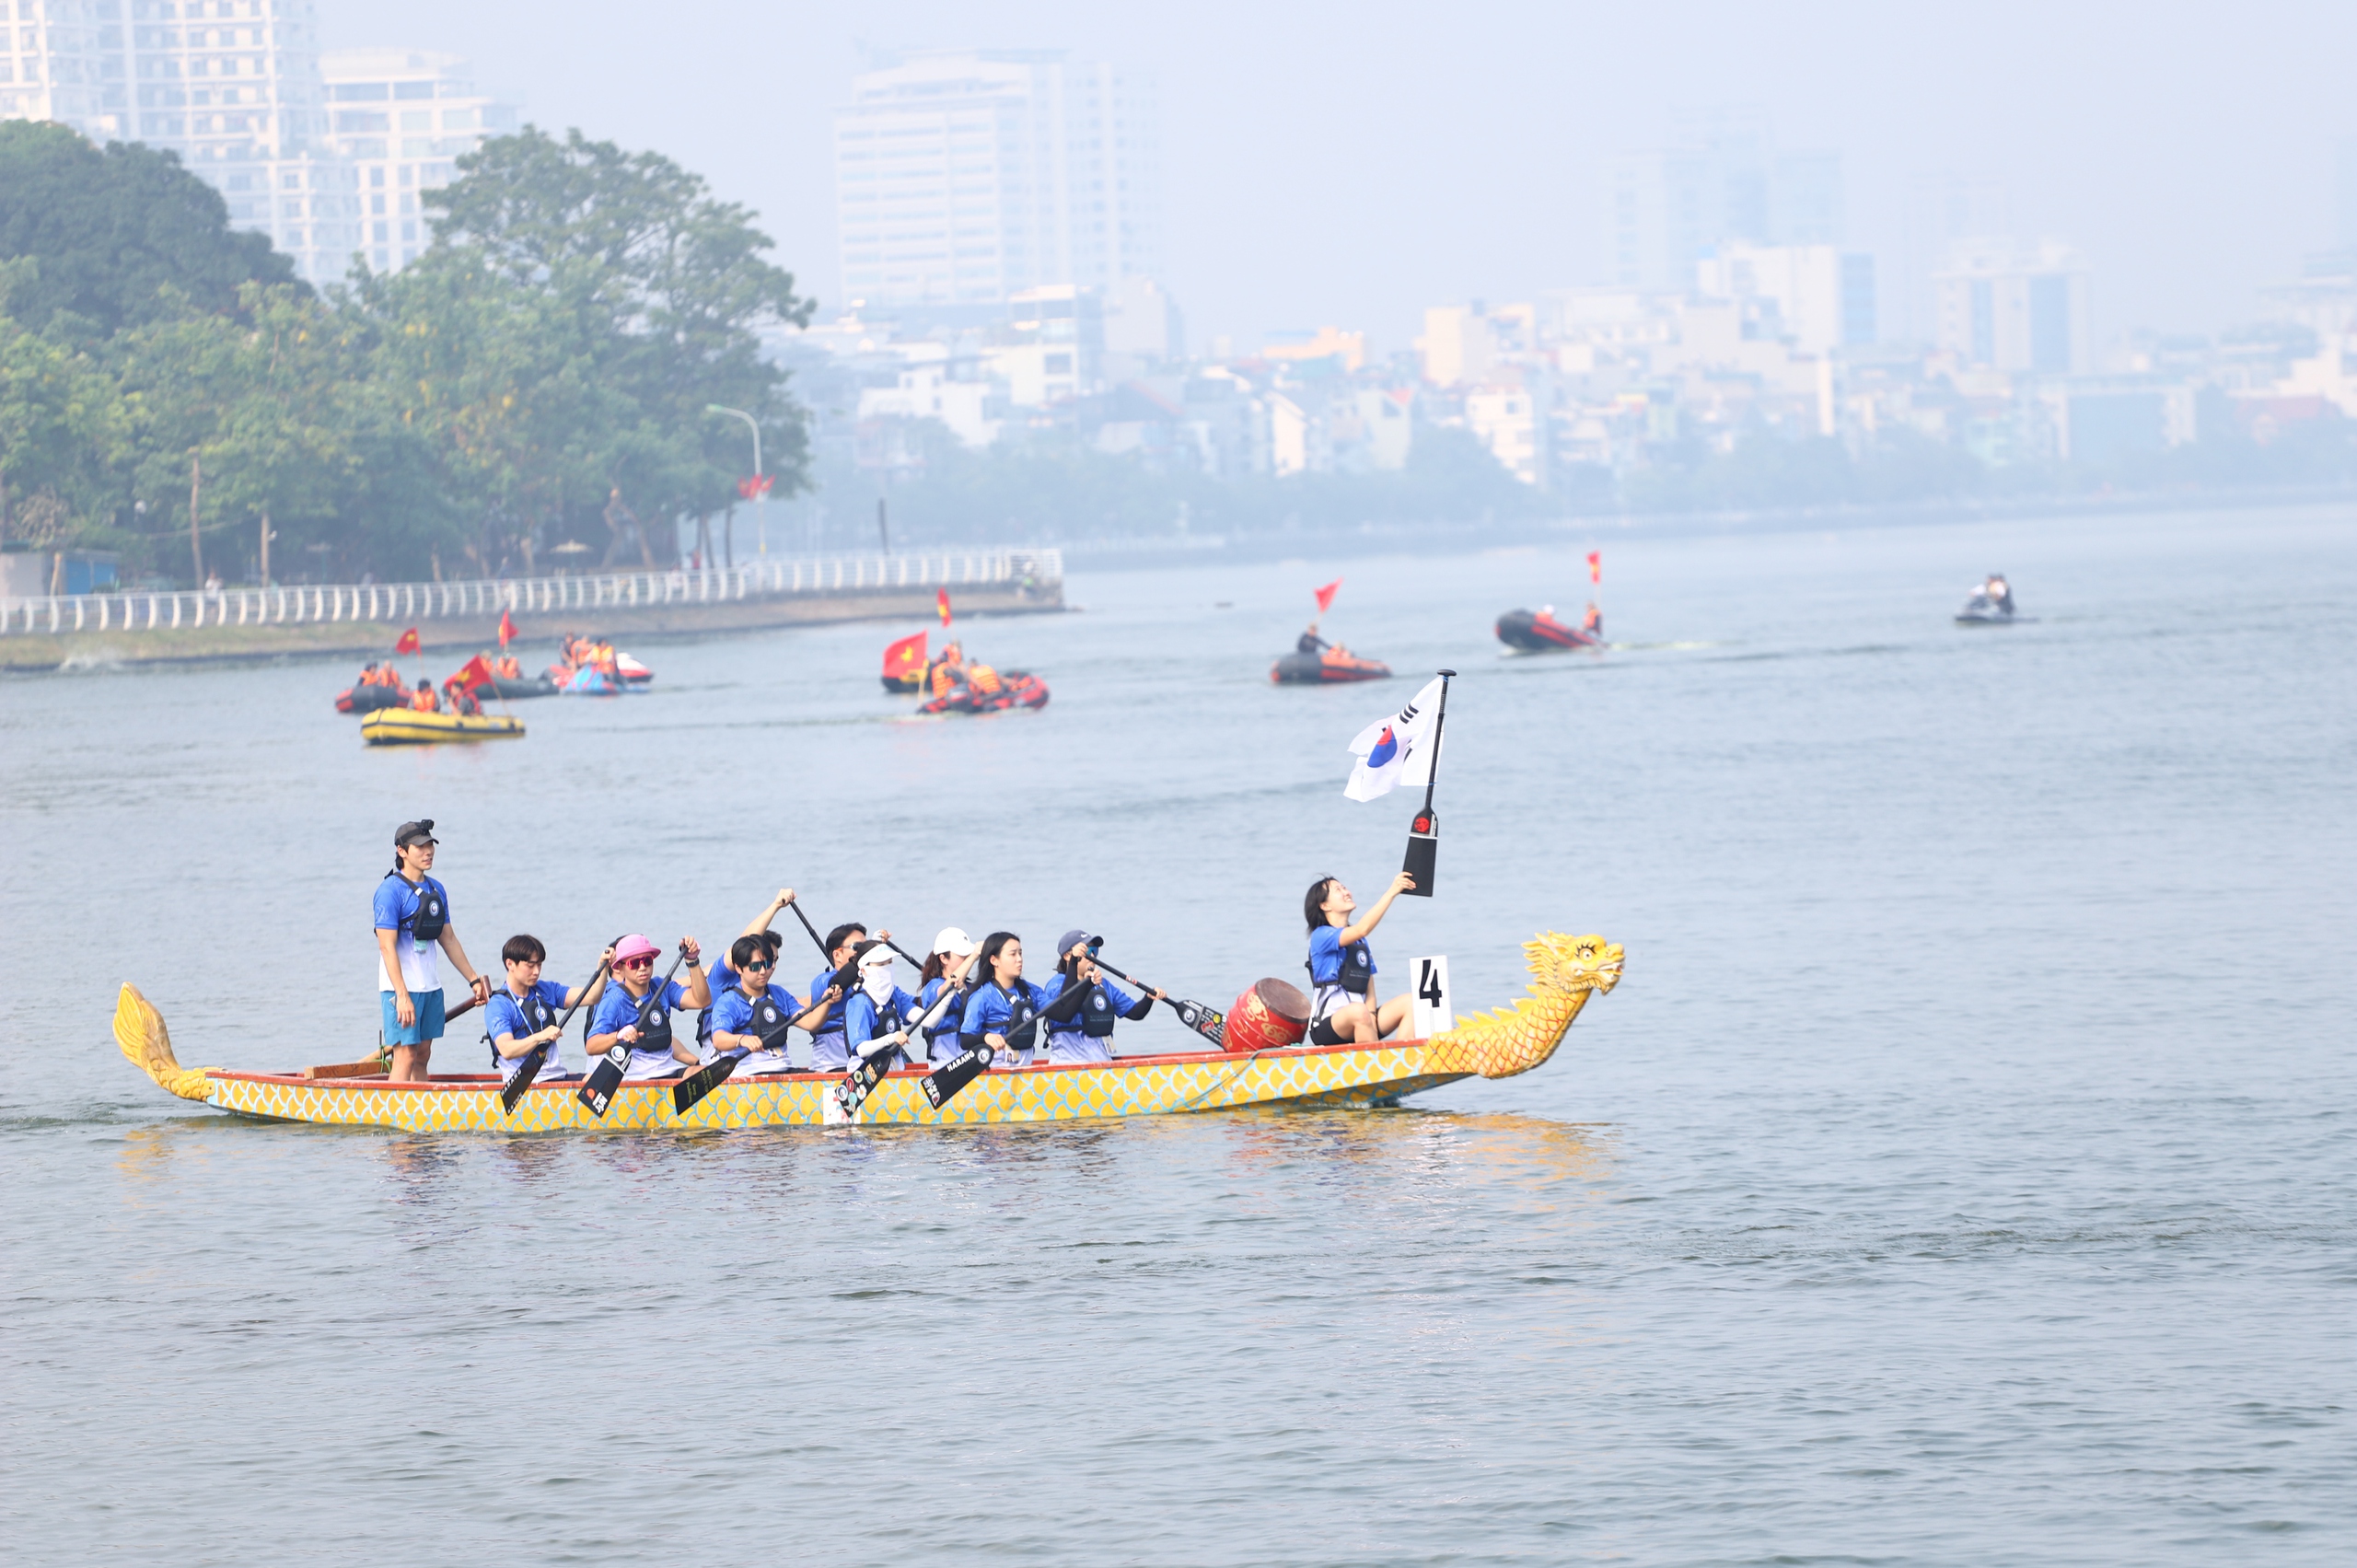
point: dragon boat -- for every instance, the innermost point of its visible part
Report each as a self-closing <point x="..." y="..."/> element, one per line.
<point x="1565" y="971"/>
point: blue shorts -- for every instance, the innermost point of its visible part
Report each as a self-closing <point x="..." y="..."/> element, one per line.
<point x="429" y="1025"/>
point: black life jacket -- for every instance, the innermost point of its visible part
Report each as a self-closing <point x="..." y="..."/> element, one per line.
<point x="433" y="912"/>
<point x="1096" y="1013"/>
<point x="538" y="1016"/>
<point x="769" y="1021"/>
<point x="1355" y="974"/>
<point x="654" y="1024"/>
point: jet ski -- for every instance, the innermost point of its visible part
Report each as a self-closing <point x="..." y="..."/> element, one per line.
<point x="1539" y="631"/>
<point x="1984" y="609"/>
<point x="1328" y="667"/>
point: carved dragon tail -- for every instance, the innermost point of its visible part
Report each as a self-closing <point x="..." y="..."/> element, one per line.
<point x="139" y="1030"/>
<point x="1564" y="971"/>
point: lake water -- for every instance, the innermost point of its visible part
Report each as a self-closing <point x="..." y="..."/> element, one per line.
<point x="1965" y="1171"/>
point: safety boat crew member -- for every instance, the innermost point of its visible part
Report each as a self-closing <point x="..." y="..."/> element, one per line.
<point x="655" y="1050"/>
<point x="879" y="1009"/>
<point x="1086" y="1033"/>
<point x="525" y="1012"/>
<point x="952" y="963"/>
<point x="1341" y="965"/>
<point x="723" y="973"/>
<point x="829" y="1052"/>
<point x="752" y="1016"/>
<point x="1310" y="641"/>
<point x="1002" y="1004"/>
<point x="412" y="915"/>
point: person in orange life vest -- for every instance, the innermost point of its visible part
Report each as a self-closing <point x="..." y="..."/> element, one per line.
<point x="1593" y="622"/>
<point x="984" y="680"/>
<point x="506" y="669"/>
<point x="422" y="700"/>
<point x="461" y="701"/>
<point x="948" y="670"/>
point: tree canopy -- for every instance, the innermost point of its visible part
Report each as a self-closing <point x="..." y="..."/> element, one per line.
<point x="124" y="236"/>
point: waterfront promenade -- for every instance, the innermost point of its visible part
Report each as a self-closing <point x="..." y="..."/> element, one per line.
<point x="249" y="622"/>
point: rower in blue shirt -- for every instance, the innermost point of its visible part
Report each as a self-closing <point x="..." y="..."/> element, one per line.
<point x="752" y="1016"/>
<point x="830" y="1050"/>
<point x="723" y="973"/>
<point x="625" y="1017"/>
<point x="879" y="1009"/>
<point x="1002" y="1004"/>
<point x="952" y="962"/>
<point x="525" y="1011"/>
<point x="1341" y="965"/>
<point x="1086" y="1033"/>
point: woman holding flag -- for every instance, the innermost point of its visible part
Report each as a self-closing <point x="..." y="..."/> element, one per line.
<point x="1341" y="965"/>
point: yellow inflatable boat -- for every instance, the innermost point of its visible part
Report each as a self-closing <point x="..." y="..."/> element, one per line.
<point x="408" y="727"/>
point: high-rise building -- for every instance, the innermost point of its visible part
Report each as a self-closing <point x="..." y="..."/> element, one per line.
<point x="1824" y="297"/>
<point x="231" y="86"/>
<point x="1720" y="181"/>
<point x="2006" y="305"/>
<point x="967" y="178"/>
<point x="402" y="117"/>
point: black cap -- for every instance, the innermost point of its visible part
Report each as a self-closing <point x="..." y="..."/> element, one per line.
<point x="419" y="832"/>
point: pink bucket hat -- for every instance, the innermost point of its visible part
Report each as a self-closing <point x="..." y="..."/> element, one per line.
<point x="634" y="947"/>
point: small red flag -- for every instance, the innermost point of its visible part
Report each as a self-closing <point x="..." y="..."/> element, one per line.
<point x="506" y="629"/>
<point x="409" y="643"/>
<point x="1326" y="596"/>
<point x="941" y="603"/>
<point x="905" y="656"/>
<point x="1596" y="565"/>
<point x="471" y="674"/>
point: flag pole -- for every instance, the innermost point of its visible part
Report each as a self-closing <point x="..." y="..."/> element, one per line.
<point x="1424" y="833"/>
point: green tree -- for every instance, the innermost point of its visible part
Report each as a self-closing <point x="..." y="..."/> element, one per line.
<point x="113" y="230"/>
<point x="667" y="290"/>
<point x="64" y="431"/>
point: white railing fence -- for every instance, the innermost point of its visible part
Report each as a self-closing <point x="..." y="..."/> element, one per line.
<point x="137" y="610"/>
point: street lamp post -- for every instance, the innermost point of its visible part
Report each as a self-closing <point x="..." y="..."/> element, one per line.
<point x="761" y="491"/>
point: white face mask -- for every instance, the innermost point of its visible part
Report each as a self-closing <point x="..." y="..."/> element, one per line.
<point x="877" y="981"/>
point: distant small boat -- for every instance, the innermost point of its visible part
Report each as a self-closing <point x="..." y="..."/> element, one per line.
<point x="1540" y="631"/>
<point x="1328" y="669"/>
<point x="517" y="689"/>
<point x="369" y="698"/>
<point x="409" y="726"/>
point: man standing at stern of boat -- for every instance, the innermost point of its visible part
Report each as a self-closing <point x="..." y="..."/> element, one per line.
<point x="412" y="920"/>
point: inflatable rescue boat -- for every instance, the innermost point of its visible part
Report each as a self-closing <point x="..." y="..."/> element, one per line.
<point x="1327" y="668"/>
<point x="1539" y="631"/>
<point x="407" y="727"/>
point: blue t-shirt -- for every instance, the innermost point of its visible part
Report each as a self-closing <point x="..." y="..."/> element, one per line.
<point x="735" y="1010"/>
<point x="1326" y="955"/>
<point x="989" y="1009"/>
<point x="618" y="1010"/>
<point x="504" y="1015"/>
<point x="833" y="1024"/>
<point x="394" y="909"/>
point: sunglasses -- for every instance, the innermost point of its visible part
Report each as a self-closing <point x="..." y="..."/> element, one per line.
<point x="636" y="964"/>
<point x="757" y="967"/>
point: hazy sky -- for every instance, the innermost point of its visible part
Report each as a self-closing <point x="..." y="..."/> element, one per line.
<point x="1353" y="162"/>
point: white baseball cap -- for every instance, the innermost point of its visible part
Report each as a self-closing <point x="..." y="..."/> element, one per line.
<point x="954" y="942"/>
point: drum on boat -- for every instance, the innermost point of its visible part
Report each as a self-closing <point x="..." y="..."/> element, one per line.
<point x="1269" y="1017"/>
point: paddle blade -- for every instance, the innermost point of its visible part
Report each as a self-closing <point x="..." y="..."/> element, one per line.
<point x="941" y="1084"/>
<point x="511" y="1093"/>
<point x="1208" y="1022"/>
<point x="861" y="1081"/>
<point x="703" y="1081"/>
<point x="599" y="1092"/>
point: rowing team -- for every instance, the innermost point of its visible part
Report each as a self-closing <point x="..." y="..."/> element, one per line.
<point x="968" y="995"/>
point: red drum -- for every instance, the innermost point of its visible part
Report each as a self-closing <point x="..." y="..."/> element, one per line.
<point x="1269" y="1017"/>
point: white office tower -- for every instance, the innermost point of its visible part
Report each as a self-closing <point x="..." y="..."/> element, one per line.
<point x="2010" y="305"/>
<point x="402" y="117"/>
<point x="231" y="86"/>
<point x="966" y="178"/>
<point x="1720" y="181"/>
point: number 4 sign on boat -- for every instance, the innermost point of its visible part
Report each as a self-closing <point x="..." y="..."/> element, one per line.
<point x="1430" y="1013"/>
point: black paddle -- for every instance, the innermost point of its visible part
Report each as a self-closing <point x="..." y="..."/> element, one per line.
<point x="511" y="1093"/>
<point x="1208" y="1022"/>
<point x="599" y="1092"/>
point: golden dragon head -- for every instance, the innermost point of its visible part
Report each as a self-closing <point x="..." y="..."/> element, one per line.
<point x="1564" y="970"/>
